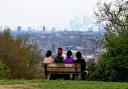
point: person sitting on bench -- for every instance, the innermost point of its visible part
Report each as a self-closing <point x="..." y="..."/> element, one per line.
<point x="48" y="58"/>
<point x="59" y="58"/>
<point x="81" y="61"/>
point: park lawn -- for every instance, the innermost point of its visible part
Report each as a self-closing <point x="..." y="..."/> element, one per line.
<point x="60" y="84"/>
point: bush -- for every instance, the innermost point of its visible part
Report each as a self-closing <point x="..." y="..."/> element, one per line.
<point x="4" y="70"/>
<point x="92" y="66"/>
<point x="19" y="55"/>
<point x="113" y="68"/>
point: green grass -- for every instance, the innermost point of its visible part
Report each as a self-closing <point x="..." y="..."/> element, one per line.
<point x="61" y="84"/>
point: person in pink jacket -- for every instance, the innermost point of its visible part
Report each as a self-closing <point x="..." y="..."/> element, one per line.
<point x="48" y="58"/>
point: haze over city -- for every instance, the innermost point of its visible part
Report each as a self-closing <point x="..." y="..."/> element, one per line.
<point x="44" y="12"/>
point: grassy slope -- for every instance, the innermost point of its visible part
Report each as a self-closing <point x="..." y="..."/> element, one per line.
<point x="60" y="84"/>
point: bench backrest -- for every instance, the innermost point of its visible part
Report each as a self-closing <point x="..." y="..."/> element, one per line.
<point x="62" y="68"/>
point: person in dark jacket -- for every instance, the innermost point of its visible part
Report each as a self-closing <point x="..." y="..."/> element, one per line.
<point x="82" y="62"/>
<point x="59" y="58"/>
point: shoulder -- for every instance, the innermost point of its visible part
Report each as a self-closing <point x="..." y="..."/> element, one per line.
<point x="45" y="58"/>
<point x="51" y="58"/>
<point x="75" y="61"/>
<point x="82" y="60"/>
<point x="58" y="56"/>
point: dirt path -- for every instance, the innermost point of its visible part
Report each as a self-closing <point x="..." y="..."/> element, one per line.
<point x="16" y="86"/>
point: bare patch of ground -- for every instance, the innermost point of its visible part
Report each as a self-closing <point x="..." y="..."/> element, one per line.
<point x="16" y="86"/>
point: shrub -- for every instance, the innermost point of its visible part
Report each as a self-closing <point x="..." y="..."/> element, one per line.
<point x="4" y="70"/>
<point x="19" y="55"/>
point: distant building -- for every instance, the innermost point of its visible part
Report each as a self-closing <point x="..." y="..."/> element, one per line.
<point x="75" y="24"/>
<point x="44" y="28"/>
<point x="19" y="29"/>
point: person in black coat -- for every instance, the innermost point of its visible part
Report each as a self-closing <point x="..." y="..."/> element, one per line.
<point x="59" y="58"/>
<point x="81" y="61"/>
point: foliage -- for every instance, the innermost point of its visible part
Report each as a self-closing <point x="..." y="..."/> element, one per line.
<point x="4" y="70"/>
<point x="19" y="55"/>
<point x="92" y="66"/>
<point x="114" y="61"/>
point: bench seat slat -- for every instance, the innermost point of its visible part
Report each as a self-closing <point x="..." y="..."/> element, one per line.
<point x="63" y="69"/>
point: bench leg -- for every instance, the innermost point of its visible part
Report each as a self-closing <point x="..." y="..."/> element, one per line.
<point x="71" y="76"/>
<point x="77" y="76"/>
<point x="48" y="77"/>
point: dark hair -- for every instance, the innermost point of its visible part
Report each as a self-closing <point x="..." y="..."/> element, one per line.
<point x="69" y="53"/>
<point x="49" y="53"/>
<point x="60" y="48"/>
<point x="78" y="54"/>
<point x="60" y="51"/>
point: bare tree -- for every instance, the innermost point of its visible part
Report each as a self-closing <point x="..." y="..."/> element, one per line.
<point x="113" y="15"/>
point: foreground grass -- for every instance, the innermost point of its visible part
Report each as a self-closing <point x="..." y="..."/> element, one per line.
<point x="60" y="84"/>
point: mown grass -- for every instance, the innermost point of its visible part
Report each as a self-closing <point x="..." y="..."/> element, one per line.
<point x="61" y="84"/>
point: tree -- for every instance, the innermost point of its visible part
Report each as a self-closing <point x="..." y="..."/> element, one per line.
<point x="19" y="55"/>
<point x="113" y="63"/>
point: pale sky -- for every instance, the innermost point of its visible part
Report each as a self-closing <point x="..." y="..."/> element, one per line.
<point x="43" y="12"/>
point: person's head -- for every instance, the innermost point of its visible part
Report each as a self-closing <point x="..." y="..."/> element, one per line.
<point x="49" y="53"/>
<point x="69" y="53"/>
<point x="78" y="54"/>
<point x="59" y="51"/>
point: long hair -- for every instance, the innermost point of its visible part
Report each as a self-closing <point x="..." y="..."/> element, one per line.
<point x="49" y="53"/>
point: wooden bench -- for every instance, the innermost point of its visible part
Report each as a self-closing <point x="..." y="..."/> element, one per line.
<point x="57" y="68"/>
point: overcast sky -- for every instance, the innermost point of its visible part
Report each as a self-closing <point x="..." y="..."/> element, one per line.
<point x="43" y="12"/>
